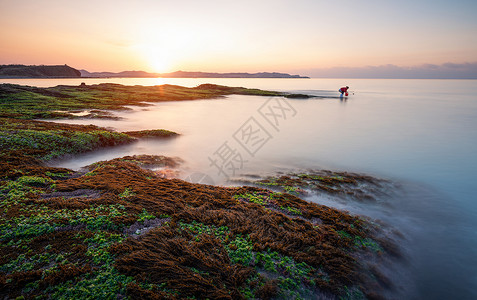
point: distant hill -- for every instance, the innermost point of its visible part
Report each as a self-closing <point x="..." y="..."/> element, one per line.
<point x="22" y="71"/>
<point x="183" y="74"/>
<point x="65" y="71"/>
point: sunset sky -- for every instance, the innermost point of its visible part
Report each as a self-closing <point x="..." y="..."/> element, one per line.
<point x="293" y="36"/>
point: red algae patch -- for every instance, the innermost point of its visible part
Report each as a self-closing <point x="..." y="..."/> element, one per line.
<point x="129" y="232"/>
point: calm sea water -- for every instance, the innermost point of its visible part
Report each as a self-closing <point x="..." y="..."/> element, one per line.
<point x="421" y="134"/>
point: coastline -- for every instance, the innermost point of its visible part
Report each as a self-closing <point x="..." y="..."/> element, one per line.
<point x="106" y="227"/>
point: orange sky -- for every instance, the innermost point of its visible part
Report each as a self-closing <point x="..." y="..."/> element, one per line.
<point x="232" y="36"/>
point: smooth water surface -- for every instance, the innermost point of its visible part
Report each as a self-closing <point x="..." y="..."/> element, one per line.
<point x="420" y="133"/>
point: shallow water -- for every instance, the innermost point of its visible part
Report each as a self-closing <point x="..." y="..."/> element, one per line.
<point x="421" y="134"/>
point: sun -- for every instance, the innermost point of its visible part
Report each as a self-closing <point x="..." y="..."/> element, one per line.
<point x="159" y="64"/>
<point x="164" y="48"/>
<point x="156" y="58"/>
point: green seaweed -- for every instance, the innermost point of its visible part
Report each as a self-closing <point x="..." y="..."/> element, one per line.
<point x="144" y="215"/>
<point x="127" y="193"/>
<point x="253" y="197"/>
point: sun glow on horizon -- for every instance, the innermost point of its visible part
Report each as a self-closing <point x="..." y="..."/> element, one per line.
<point x="158" y="59"/>
<point x="162" y="48"/>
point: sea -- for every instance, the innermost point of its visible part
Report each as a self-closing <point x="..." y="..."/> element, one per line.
<point x="421" y="135"/>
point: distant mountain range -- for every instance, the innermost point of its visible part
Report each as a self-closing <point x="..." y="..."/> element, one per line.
<point x="65" y="71"/>
<point x="183" y="74"/>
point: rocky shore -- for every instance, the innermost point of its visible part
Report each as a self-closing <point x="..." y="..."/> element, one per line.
<point x="118" y="229"/>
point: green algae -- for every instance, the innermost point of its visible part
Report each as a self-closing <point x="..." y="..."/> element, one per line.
<point x="269" y="200"/>
<point x="257" y="198"/>
<point x="127" y="193"/>
<point x="154" y="133"/>
<point x="49" y="140"/>
<point x="57" y="102"/>
<point x="59" y="142"/>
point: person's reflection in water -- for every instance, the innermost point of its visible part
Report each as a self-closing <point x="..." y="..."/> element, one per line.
<point x="343" y="100"/>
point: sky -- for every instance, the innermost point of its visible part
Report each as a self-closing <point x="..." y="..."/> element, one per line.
<point x="307" y="37"/>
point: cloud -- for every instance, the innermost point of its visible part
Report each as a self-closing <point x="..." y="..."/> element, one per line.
<point x="426" y="71"/>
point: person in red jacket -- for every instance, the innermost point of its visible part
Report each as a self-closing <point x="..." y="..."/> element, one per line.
<point x="344" y="90"/>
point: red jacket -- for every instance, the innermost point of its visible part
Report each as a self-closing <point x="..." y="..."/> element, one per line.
<point x="343" y="89"/>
